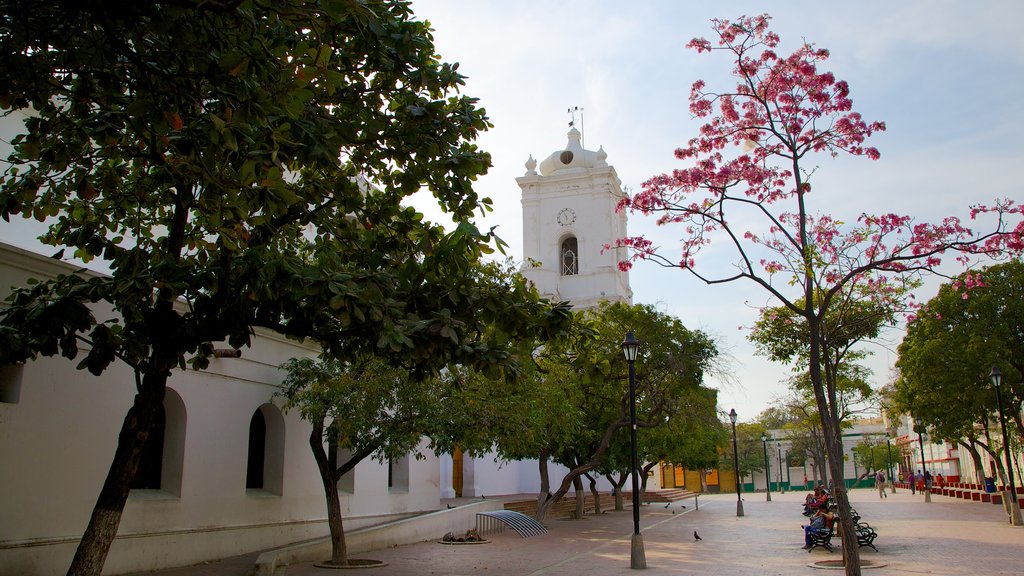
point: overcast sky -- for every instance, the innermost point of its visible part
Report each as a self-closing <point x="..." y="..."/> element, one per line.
<point x="946" y="77"/>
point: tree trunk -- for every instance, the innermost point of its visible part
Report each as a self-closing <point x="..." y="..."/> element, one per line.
<point x="91" y="554"/>
<point x="825" y="397"/>
<point x="545" y="483"/>
<point x="595" y="460"/>
<point x="596" y="493"/>
<point x="329" y="478"/>
<point x="644" y="471"/>
<point x="617" y="498"/>
<point x="979" y="465"/>
<point x="581" y="498"/>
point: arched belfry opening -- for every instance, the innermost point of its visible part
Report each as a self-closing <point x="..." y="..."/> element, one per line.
<point x="570" y="256"/>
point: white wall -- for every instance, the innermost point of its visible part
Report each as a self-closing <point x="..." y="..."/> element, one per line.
<point x="57" y="441"/>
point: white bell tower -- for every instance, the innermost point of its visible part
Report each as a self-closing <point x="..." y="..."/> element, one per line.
<point x="568" y="217"/>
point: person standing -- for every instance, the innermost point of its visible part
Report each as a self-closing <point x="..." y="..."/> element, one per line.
<point x="880" y="484"/>
<point x="913" y="483"/>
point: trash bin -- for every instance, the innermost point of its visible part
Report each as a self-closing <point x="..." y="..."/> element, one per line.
<point x="990" y="485"/>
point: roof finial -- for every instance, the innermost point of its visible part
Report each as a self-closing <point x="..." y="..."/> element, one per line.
<point x="572" y="123"/>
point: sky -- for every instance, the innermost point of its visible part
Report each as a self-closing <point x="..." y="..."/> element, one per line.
<point x="945" y="76"/>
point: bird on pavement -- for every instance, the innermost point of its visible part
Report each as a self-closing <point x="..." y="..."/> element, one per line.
<point x="696" y="536"/>
<point x="667" y="505"/>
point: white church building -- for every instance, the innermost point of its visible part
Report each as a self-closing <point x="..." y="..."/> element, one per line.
<point x="235" y="474"/>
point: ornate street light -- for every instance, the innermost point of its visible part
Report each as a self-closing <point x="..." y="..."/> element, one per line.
<point x="888" y="451"/>
<point x="767" y="469"/>
<point x="918" y="427"/>
<point x="637" y="559"/>
<point x="1014" y="508"/>
<point x="853" y="458"/>
<point x="736" y="463"/>
<point x="782" y="488"/>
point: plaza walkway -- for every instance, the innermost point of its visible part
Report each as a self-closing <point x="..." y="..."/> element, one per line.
<point x="945" y="537"/>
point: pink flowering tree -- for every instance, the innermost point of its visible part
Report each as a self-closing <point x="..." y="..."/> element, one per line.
<point x="747" y="185"/>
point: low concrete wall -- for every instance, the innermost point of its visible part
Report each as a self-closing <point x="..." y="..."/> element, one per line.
<point x="428" y="526"/>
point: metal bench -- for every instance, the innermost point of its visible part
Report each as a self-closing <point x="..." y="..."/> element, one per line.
<point x="822" y="537"/>
<point x="496" y="521"/>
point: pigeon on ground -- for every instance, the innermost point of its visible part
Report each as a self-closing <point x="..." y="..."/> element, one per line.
<point x="449" y="506"/>
<point x="667" y="505"/>
<point x="696" y="536"/>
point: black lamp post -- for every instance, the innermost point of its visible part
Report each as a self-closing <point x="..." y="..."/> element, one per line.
<point x="736" y="463"/>
<point x="782" y="488"/>
<point x="853" y="458"/>
<point x="789" y="471"/>
<point x="637" y="559"/>
<point x="767" y="470"/>
<point x="888" y="452"/>
<point x="920" y="442"/>
<point x="1013" y="508"/>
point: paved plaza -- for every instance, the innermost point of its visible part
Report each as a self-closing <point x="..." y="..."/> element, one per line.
<point x="946" y="537"/>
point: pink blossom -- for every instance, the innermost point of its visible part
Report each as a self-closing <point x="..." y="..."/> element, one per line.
<point x="748" y="152"/>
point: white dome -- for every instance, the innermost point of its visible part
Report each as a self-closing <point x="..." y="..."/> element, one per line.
<point x="573" y="156"/>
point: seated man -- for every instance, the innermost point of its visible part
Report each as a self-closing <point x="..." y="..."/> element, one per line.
<point x="810" y="502"/>
<point x="822" y="521"/>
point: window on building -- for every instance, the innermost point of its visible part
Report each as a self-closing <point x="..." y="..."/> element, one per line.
<point x="398" y="474"/>
<point x="570" y="257"/>
<point x="254" y="469"/>
<point x="10" y="383"/>
<point x="264" y="469"/>
<point x="151" y="463"/>
<point x="347" y="483"/>
<point x="163" y="456"/>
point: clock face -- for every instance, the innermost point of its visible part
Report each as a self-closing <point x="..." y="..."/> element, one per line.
<point x="566" y="216"/>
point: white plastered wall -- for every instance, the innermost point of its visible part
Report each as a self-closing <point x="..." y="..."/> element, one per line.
<point x="57" y="441"/>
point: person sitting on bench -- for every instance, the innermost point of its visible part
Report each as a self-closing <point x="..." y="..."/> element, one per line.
<point x="822" y="521"/>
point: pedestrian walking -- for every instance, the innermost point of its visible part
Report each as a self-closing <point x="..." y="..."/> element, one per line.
<point x="880" y="484"/>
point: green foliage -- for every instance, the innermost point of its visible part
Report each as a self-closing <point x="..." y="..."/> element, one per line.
<point x="950" y="347"/>
<point x="366" y="406"/>
<point x="749" y="448"/>
<point x="243" y="164"/>
<point x="691" y="437"/>
<point x="874" y="455"/>
<point x="669" y="369"/>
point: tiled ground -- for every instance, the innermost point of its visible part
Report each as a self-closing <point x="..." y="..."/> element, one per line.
<point x="946" y="537"/>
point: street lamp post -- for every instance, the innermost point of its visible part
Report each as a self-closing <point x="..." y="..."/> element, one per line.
<point x="888" y="451"/>
<point x="920" y="442"/>
<point x="637" y="559"/>
<point x="782" y="488"/>
<point x="1014" y="507"/>
<point x="767" y="470"/>
<point x="736" y="463"/>
<point x="789" y="471"/>
<point x="853" y="458"/>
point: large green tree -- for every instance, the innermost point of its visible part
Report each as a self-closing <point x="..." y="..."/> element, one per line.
<point x="369" y="406"/>
<point x="974" y="322"/>
<point x="216" y="156"/>
<point x="572" y="400"/>
<point x="672" y="363"/>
